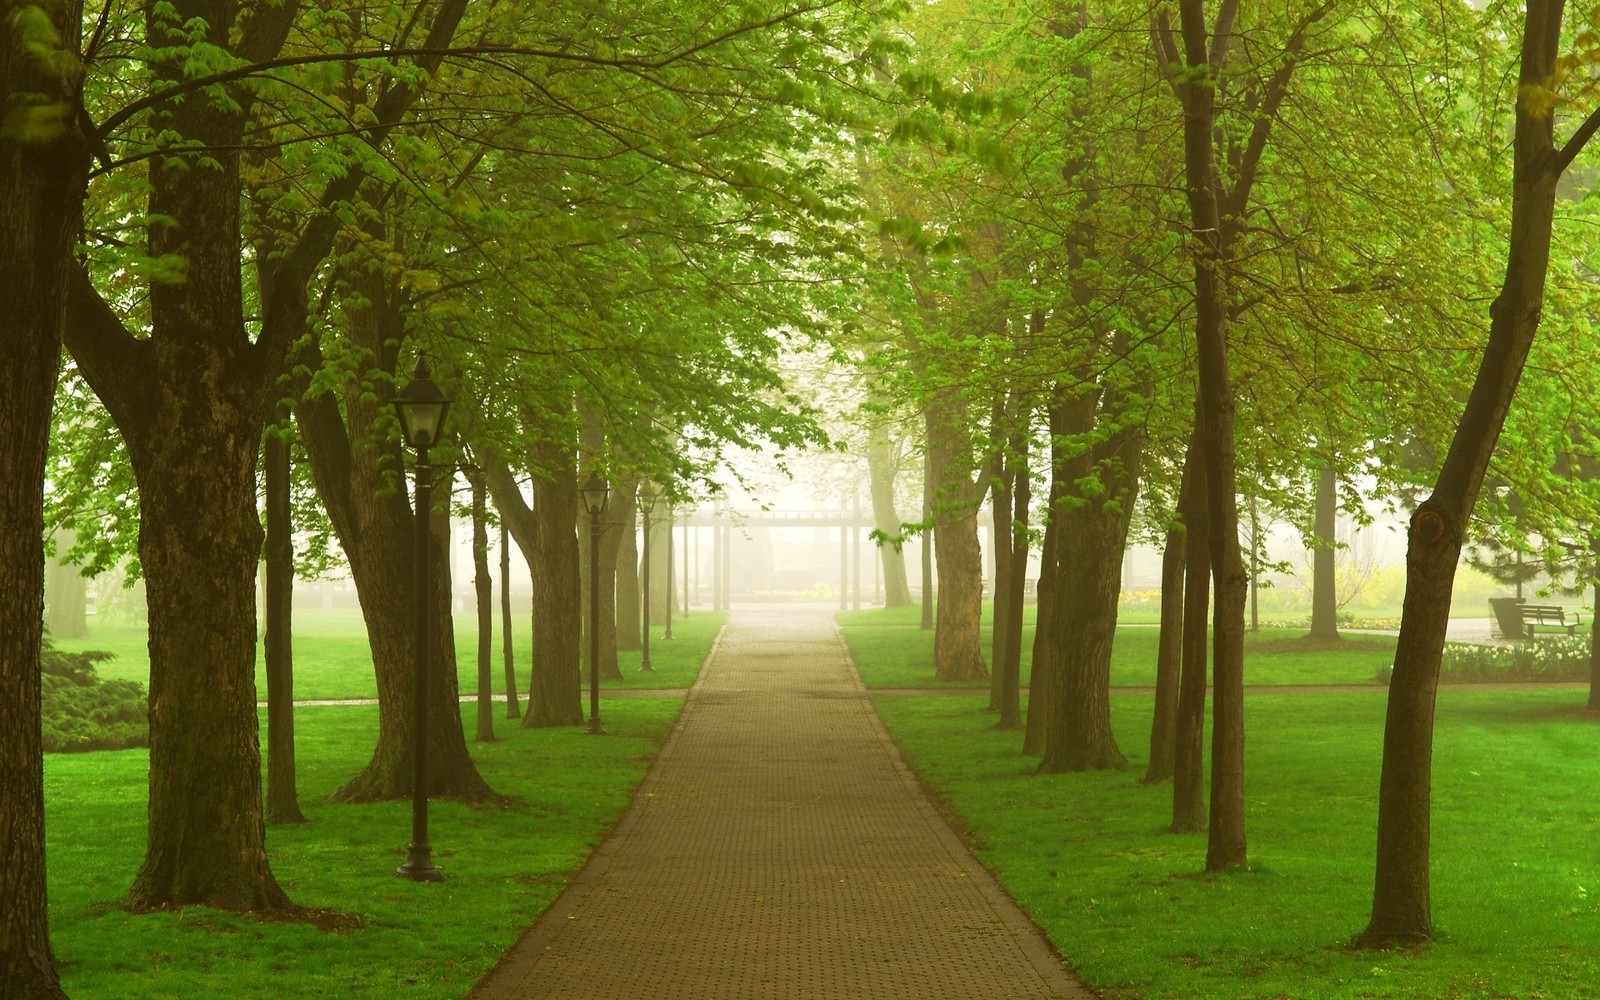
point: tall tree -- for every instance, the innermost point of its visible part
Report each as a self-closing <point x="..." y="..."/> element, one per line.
<point x="44" y="158"/>
<point x="283" y="797"/>
<point x="1401" y="902"/>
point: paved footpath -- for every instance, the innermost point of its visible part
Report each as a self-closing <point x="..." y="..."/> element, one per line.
<point x="780" y="849"/>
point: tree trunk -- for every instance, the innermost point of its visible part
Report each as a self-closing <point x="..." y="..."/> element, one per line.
<point x="625" y="510"/>
<point x="41" y="199"/>
<point x="483" y="588"/>
<point x="1188" y="738"/>
<point x="508" y="650"/>
<point x="881" y="474"/>
<point x="1000" y="514"/>
<point x="927" y="544"/>
<point x="1226" y="846"/>
<point x="283" y="798"/>
<point x="1324" y="587"/>
<point x="1083" y="622"/>
<point x="1169" y="658"/>
<point x="1010" y="668"/>
<point x="957" y="648"/>
<point x="1401" y="906"/>
<point x="374" y="524"/>
<point x="191" y="401"/>
<point x="1041" y="677"/>
<point x="547" y="534"/>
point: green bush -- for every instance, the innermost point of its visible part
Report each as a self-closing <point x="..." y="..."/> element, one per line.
<point x="81" y="711"/>
<point x="1549" y="658"/>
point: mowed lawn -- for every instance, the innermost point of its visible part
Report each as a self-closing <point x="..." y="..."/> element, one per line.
<point x="505" y="862"/>
<point x="333" y="660"/>
<point x="1516" y="867"/>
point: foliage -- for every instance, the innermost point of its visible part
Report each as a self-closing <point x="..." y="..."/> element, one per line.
<point x="82" y="711"/>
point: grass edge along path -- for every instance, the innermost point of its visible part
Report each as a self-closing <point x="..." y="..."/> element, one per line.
<point x="504" y="866"/>
<point x="1515" y="867"/>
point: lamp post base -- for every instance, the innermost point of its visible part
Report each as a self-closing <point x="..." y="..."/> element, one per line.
<point x="419" y="865"/>
<point x="594" y="728"/>
<point x="645" y="666"/>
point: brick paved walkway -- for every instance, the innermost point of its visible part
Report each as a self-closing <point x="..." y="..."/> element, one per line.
<point x="780" y="849"/>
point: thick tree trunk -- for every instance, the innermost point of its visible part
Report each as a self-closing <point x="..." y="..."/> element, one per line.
<point x="1188" y="738"/>
<point x="1324" y="587"/>
<point x="957" y="647"/>
<point x="374" y="523"/>
<point x="507" y="648"/>
<point x="483" y="590"/>
<point x="1401" y="904"/>
<point x="881" y="474"/>
<point x="1083" y="622"/>
<point x="1169" y="658"/>
<point x="41" y="200"/>
<point x="547" y="534"/>
<point x="191" y="402"/>
<point x="283" y="798"/>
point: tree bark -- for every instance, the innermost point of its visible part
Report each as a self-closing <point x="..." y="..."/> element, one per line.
<point x="1041" y="676"/>
<point x="483" y="590"/>
<point x="957" y="648"/>
<point x="41" y="200"/>
<point x="1001" y="477"/>
<point x="1169" y="658"/>
<point x="1010" y="668"/>
<point x="1401" y="904"/>
<point x="1324" y="586"/>
<point x="373" y="521"/>
<point x="191" y="401"/>
<point x="507" y="648"/>
<point x="1083" y="621"/>
<point x="547" y="535"/>
<point x="283" y="798"/>
<point x="627" y="572"/>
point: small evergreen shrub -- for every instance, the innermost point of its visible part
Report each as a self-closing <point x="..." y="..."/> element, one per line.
<point x="83" y="712"/>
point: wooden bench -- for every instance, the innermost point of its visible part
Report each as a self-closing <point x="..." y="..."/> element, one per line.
<point x="1547" y="616"/>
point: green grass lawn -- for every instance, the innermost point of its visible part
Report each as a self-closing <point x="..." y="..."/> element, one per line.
<point x="332" y="658"/>
<point x="504" y="866"/>
<point x="1516" y="873"/>
<point x="893" y="652"/>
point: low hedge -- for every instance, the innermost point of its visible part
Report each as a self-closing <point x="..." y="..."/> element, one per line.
<point x="82" y="711"/>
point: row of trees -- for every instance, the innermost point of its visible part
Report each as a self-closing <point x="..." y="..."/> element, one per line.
<point x="1159" y="257"/>
<point x="1192" y="249"/>
<point x="243" y="220"/>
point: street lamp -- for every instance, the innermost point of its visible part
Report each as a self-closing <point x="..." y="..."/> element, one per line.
<point x="647" y="505"/>
<point x="421" y="408"/>
<point x="595" y="493"/>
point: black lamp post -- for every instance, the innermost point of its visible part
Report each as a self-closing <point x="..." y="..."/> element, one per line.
<point x="647" y="506"/>
<point x="421" y="408"/>
<point x="595" y="494"/>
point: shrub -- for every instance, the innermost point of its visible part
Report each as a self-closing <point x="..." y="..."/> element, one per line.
<point x="1551" y="658"/>
<point x="83" y="712"/>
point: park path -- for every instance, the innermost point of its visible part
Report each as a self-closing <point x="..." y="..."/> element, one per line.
<point x="779" y="848"/>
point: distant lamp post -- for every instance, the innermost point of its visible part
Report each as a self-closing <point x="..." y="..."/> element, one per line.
<point x="421" y="408"/>
<point x="595" y="494"/>
<point x="647" y="506"/>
